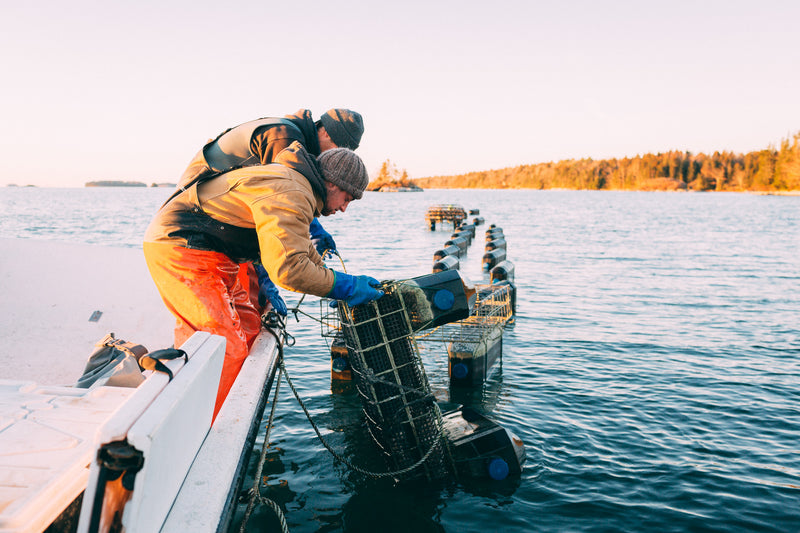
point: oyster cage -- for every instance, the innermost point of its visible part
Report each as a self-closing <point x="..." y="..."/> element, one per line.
<point x="493" y="305"/>
<point x="475" y="343"/>
<point x="493" y="308"/>
<point x="330" y="325"/>
<point x="402" y="414"/>
<point x="451" y="213"/>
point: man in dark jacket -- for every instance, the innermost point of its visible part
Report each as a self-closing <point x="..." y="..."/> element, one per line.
<point x="257" y="143"/>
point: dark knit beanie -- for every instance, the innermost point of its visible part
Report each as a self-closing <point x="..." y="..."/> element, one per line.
<point x="343" y="168"/>
<point x="345" y="127"/>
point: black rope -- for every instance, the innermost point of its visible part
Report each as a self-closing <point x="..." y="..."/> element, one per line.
<point x="338" y="457"/>
<point x="255" y="491"/>
<point x="377" y="475"/>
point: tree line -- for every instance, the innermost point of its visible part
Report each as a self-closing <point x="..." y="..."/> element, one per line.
<point x="770" y="170"/>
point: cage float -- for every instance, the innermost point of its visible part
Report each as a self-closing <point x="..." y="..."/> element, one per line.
<point x="480" y="447"/>
<point x="504" y="270"/>
<point x="492" y="258"/>
<point x="461" y="242"/>
<point x="447" y="262"/>
<point x="494" y="233"/>
<point x="463" y="234"/>
<point x="467" y="227"/>
<point x="447" y="250"/>
<point x="494" y="244"/>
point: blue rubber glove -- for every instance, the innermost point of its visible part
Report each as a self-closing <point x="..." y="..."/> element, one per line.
<point x="267" y="291"/>
<point x="322" y="239"/>
<point x="355" y="290"/>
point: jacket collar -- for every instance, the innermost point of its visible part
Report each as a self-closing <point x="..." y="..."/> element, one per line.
<point x="297" y="158"/>
<point x="302" y="119"/>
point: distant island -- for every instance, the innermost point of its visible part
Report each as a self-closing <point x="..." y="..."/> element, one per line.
<point x="774" y="170"/>
<point x="112" y="183"/>
<point x="390" y="179"/>
<point x="390" y="187"/>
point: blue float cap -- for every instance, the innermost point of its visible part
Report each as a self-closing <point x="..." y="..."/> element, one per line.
<point x="460" y="370"/>
<point x="498" y="469"/>
<point x="339" y="364"/>
<point x="444" y="299"/>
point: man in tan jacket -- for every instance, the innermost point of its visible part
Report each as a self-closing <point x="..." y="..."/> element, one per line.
<point x="257" y="142"/>
<point x="197" y="240"/>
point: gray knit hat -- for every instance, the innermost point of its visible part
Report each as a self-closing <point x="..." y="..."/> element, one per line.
<point x="343" y="168"/>
<point x="345" y="127"/>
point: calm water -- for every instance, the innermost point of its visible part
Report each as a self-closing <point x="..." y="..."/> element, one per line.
<point x="653" y="370"/>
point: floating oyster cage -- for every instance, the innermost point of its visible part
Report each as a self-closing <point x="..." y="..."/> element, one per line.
<point x="475" y="343"/>
<point x="493" y="305"/>
<point x="454" y="214"/>
<point x="402" y="414"/>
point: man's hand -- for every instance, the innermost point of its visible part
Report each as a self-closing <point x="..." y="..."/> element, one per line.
<point x="268" y="292"/>
<point x="355" y="290"/>
<point x="322" y="239"/>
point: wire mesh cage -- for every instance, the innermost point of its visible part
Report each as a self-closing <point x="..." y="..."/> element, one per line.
<point x="330" y="325"/>
<point x="475" y="343"/>
<point x="475" y="340"/>
<point x="492" y="308"/>
<point x="493" y="304"/>
<point x="451" y="213"/>
<point x="402" y="415"/>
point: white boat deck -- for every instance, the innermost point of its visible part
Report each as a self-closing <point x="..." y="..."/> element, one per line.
<point x="50" y="290"/>
<point x="47" y="438"/>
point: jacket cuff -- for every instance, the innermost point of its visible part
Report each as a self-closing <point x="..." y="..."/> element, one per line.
<point x="343" y="285"/>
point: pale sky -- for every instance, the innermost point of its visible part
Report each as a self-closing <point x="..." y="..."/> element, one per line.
<point x="131" y="90"/>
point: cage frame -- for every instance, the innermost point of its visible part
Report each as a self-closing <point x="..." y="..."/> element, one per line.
<point x="382" y="430"/>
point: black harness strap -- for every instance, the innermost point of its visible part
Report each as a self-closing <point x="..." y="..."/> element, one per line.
<point x="152" y="360"/>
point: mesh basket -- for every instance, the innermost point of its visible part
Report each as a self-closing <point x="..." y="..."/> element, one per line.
<point x="492" y="308"/>
<point x="402" y="414"/>
<point x="493" y="304"/>
<point x="453" y="214"/>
